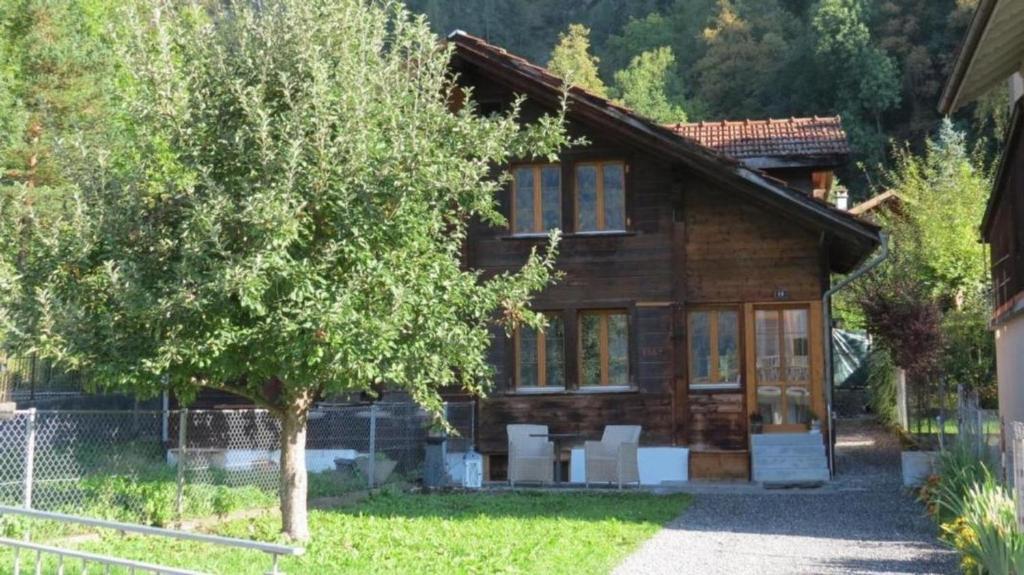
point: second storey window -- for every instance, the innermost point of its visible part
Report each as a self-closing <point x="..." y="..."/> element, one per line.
<point x="601" y="197"/>
<point x="540" y="355"/>
<point x="536" y="198"/>
<point x="714" y="348"/>
<point x="604" y="348"/>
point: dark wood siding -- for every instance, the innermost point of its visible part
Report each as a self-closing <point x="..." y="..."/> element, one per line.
<point x="737" y="253"/>
<point x="1007" y="242"/>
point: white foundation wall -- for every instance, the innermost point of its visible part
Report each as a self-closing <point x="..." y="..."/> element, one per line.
<point x="657" y="465"/>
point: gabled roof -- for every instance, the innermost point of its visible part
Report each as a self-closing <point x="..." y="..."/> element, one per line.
<point x="853" y="239"/>
<point x="773" y="143"/>
<point x="991" y="52"/>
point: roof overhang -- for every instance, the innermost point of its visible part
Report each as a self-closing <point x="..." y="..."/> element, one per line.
<point x="992" y="51"/>
<point x="826" y="161"/>
<point x="853" y="239"/>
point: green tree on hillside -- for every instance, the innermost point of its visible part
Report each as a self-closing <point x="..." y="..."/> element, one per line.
<point x="866" y="84"/>
<point x="285" y="224"/>
<point x="571" y="59"/>
<point x="645" y="86"/>
<point x="739" y="49"/>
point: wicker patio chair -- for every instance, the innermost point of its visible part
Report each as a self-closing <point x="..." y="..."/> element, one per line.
<point x="529" y="458"/>
<point x="614" y="459"/>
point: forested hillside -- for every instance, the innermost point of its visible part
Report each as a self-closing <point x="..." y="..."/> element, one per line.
<point x="880" y="64"/>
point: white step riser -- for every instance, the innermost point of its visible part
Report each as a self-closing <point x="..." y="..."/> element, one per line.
<point x="813" y="462"/>
<point x="790" y="475"/>
<point x="786" y="439"/>
<point x="786" y="450"/>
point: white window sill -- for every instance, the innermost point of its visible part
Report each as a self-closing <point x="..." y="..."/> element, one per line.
<point x="725" y="386"/>
<point x="600" y="233"/>
<point x="530" y="235"/>
<point x="537" y="390"/>
<point x="606" y="389"/>
<point x="581" y="390"/>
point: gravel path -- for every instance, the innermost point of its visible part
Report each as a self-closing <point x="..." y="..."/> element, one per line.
<point x="861" y="523"/>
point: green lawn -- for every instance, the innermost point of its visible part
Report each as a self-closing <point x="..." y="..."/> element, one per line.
<point x="524" y="532"/>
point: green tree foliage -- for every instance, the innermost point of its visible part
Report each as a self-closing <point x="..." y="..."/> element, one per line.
<point x="285" y="224"/>
<point x="937" y="262"/>
<point x="945" y="193"/>
<point x="56" y="70"/>
<point x="645" y="86"/>
<point x="571" y="59"/>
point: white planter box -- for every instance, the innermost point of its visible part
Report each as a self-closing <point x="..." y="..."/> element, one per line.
<point x="657" y="465"/>
<point x="917" y="466"/>
<point x="317" y="460"/>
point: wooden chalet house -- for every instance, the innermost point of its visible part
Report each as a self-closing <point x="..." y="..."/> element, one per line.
<point x="992" y="58"/>
<point x="696" y="258"/>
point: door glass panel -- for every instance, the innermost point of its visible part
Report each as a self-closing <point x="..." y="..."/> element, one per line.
<point x="769" y="360"/>
<point x="783" y="366"/>
<point x="618" y="349"/>
<point x="728" y="346"/>
<point x="524" y="200"/>
<point x="551" y="197"/>
<point x="797" y="348"/>
<point x="700" y="347"/>
<point x="586" y="199"/>
<point x="614" y="198"/>
<point x="554" y="352"/>
<point x="798" y="404"/>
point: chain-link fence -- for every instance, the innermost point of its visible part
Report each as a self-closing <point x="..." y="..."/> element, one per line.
<point x="155" y="466"/>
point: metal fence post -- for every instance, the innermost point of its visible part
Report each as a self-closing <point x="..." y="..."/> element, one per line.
<point x="165" y="418"/>
<point x="371" y="464"/>
<point x="981" y="432"/>
<point x="182" y="453"/>
<point x="30" y="458"/>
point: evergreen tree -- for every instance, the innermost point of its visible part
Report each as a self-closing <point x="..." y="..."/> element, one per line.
<point x="571" y="59"/>
<point x="645" y="86"/>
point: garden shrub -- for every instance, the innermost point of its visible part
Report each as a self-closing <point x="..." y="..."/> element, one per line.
<point x="882" y="392"/>
<point x="987" y="535"/>
<point x="958" y="469"/>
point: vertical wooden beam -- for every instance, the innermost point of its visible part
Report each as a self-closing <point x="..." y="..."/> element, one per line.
<point x="538" y="208"/>
<point x="680" y="362"/>
<point x="542" y="349"/>
<point x="713" y="337"/>
<point x="603" y="339"/>
<point x="751" y="359"/>
<point x="817" y="344"/>
<point x="572" y="345"/>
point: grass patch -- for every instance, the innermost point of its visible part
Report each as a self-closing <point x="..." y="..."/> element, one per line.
<point x="438" y="533"/>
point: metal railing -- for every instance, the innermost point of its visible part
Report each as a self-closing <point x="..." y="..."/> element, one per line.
<point x="276" y="551"/>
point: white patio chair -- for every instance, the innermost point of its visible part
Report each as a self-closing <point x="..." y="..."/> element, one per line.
<point x="529" y="458"/>
<point x="613" y="459"/>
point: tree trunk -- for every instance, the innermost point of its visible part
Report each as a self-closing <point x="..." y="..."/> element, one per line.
<point x="294" y="520"/>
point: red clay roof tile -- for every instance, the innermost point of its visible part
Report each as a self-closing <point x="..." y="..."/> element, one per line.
<point x="788" y="137"/>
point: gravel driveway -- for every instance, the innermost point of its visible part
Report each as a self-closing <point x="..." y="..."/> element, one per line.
<point x="861" y="523"/>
